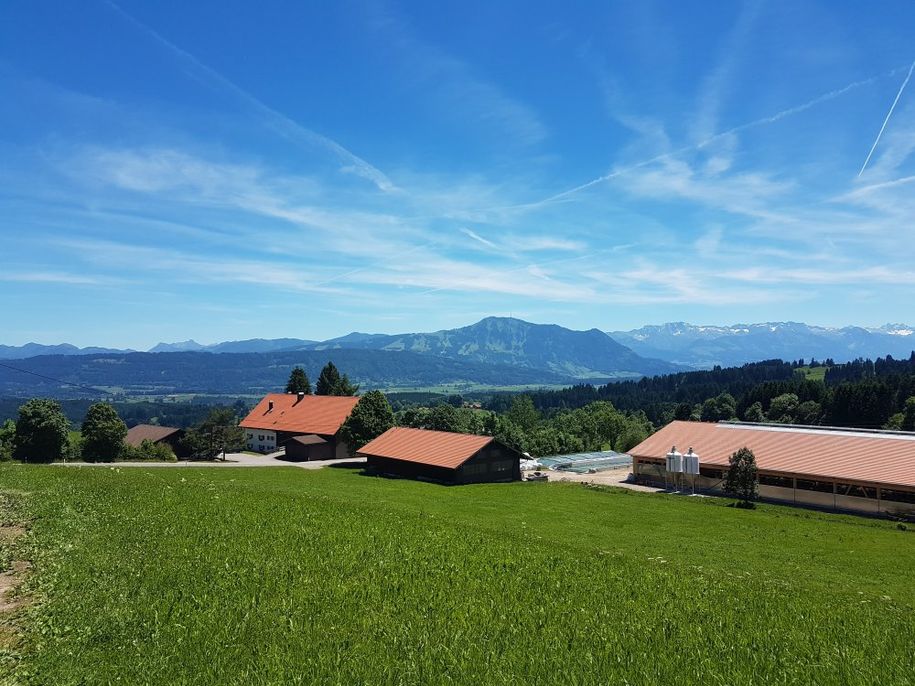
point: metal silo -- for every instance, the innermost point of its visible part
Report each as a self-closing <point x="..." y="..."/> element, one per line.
<point x="691" y="463"/>
<point x="674" y="461"/>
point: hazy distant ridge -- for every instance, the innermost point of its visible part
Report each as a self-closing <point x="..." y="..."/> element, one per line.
<point x="555" y="350"/>
<point x="706" y="346"/>
<point x="503" y="340"/>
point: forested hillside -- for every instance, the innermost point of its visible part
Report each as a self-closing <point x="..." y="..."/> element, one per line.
<point x="247" y="373"/>
<point x="862" y="393"/>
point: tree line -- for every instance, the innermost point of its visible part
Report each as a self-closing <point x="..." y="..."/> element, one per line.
<point x="597" y="426"/>
<point x="861" y="393"/>
<point x="42" y="433"/>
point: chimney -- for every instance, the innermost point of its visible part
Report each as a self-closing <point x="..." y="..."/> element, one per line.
<point x="300" y="395"/>
<point x="269" y="406"/>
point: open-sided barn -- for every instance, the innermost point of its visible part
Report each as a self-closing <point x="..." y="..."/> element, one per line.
<point x="442" y="456"/>
<point x="307" y="426"/>
<point x="850" y="469"/>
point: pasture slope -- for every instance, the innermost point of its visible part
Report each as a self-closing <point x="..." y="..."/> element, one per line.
<point x="288" y="576"/>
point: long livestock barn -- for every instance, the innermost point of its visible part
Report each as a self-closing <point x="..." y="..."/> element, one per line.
<point x="866" y="471"/>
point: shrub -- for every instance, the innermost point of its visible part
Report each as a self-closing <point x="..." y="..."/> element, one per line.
<point x="7" y="433"/>
<point x="148" y="451"/>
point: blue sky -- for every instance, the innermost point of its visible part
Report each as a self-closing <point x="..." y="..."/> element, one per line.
<point x="227" y="170"/>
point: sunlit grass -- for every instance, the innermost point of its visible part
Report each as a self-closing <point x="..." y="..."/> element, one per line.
<point x="218" y="576"/>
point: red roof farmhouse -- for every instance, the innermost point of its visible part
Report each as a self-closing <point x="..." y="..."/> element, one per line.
<point x="306" y="426"/>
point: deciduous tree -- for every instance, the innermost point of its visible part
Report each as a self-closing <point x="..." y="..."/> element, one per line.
<point x="754" y="413"/>
<point x="42" y="431"/>
<point x="218" y="434"/>
<point x="523" y="414"/>
<point x="784" y="408"/>
<point x="103" y="433"/>
<point x="368" y="420"/>
<point x="7" y="434"/>
<point x="742" y="476"/>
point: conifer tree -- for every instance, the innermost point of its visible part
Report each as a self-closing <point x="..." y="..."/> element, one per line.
<point x="298" y="382"/>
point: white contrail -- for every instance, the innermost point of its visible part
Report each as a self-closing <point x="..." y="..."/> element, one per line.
<point x="885" y="121"/>
<point x="771" y="119"/>
<point x="279" y="122"/>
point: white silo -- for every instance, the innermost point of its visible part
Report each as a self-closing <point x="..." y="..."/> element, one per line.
<point x="691" y="463"/>
<point x="674" y="460"/>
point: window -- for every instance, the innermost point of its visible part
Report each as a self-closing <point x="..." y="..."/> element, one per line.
<point x="781" y="481"/>
<point x="897" y="496"/>
<point x="821" y="486"/>
<point x="857" y="491"/>
<point x="251" y="435"/>
<point x="260" y="437"/>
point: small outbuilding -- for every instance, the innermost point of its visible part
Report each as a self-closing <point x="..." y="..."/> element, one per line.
<point x="309" y="447"/>
<point x="441" y="456"/>
<point x="168" y="435"/>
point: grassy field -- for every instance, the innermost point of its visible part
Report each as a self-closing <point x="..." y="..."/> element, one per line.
<point x="287" y="576"/>
<point x="814" y="373"/>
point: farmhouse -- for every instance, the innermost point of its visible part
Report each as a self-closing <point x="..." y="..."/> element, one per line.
<point x="847" y="469"/>
<point x="155" y="434"/>
<point x="306" y="426"/>
<point x="442" y="456"/>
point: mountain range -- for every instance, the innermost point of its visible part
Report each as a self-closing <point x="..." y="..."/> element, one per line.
<point x="509" y="341"/>
<point x="554" y="350"/>
<point x="492" y="349"/>
<point x="703" y="347"/>
<point x="251" y="345"/>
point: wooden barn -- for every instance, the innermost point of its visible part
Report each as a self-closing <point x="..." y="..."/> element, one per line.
<point x="307" y="427"/>
<point x="441" y="456"/>
<point x="168" y="435"/>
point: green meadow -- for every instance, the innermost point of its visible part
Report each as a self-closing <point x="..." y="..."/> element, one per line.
<point x="286" y="576"/>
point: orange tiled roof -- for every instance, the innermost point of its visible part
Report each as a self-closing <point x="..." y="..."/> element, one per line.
<point x="148" y="432"/>
<point x="810" y="451"/>
<point x="437" y="448"/>
<point x="313" y="414"/>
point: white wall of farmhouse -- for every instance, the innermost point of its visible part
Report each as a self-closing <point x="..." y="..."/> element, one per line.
<point x="260" y="440"/>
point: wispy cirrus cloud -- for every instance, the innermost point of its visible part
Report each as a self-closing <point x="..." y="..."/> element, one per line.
<point x="715" y="86"/>
<point x="462" y="95"/>
<point x="625" y="169"/>
<point x="54" y="277"/>
<point x="277" y="121"/>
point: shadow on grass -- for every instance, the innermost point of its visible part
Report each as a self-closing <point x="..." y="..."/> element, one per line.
<point x="743" y="505"/>
<point x="351" y="464"/>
